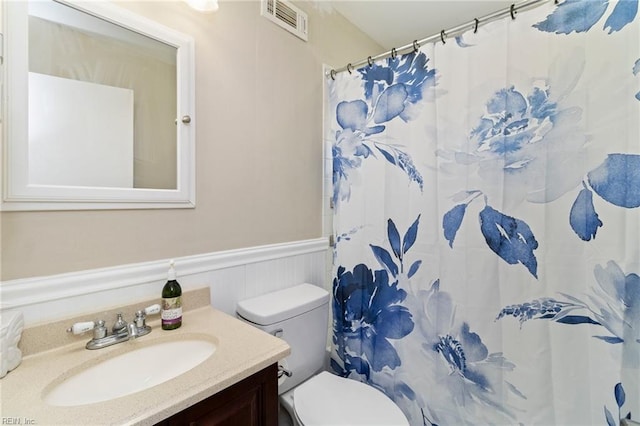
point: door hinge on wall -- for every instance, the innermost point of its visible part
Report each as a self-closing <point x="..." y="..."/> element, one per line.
<point x="332" y="240"/>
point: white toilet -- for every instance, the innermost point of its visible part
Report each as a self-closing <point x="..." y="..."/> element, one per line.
<point x="314" y="397"/>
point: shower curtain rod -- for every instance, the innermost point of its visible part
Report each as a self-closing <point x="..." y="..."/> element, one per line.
<point x="442" y="35"/>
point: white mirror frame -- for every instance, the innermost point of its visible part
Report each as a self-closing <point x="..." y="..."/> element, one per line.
<point x="17" y="193"/>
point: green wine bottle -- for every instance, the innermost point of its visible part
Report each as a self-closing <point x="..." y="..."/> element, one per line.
<point x="171" y="301"/>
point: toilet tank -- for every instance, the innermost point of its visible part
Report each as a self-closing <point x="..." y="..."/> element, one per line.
<point x="300" y="316"/>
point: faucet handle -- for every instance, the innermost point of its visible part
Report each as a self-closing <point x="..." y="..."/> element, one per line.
<point x="139" y="320"/>
<point x="100" y="330"/>
<point x="140" y="328"/>
<point x="152" y="310"/>
<point x="141" y="315"/>
<point x="81" y="327"/>
<point x="98" y="327"/>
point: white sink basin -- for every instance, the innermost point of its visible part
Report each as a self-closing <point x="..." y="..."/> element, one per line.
<point x="130" y="372"/>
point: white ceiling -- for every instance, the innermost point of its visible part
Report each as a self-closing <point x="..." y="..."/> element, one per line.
<point x="398" y="23"/>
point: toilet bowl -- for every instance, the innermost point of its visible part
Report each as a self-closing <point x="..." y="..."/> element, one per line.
<point x="327" y="399"/>
<point x="313" y="397"/>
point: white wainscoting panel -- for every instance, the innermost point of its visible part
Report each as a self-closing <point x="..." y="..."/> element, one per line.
<point x="231" y="275"/>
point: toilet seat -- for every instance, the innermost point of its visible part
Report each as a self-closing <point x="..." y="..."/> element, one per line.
<point x="327" y="399"/>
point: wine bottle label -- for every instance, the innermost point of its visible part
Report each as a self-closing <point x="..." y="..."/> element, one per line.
<point x="171" y="309"/>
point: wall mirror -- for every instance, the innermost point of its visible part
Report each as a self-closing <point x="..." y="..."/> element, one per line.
<point x="98" y="109"/>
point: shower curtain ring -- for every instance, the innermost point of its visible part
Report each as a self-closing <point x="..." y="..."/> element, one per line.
<point x="393" y="53"/>
<point x="349" y="67"/>
<point x="475" y="30"/>
<point x="443" y="35"/>
<point x="512" y="10"/>
<point x="332" y="74"/>
<point x="416" y="46"/>
<point x="370" y="62"/>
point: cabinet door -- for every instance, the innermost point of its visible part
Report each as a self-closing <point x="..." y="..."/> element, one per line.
<point x="251" y="402"/>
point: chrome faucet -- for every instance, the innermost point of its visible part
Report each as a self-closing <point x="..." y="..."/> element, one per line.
<point x="120" y="332"/>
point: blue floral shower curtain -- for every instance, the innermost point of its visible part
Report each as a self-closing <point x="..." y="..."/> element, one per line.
<point x="487" y="221"/>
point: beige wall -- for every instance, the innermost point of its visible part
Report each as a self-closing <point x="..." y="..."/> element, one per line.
<point x="259" y="149"/>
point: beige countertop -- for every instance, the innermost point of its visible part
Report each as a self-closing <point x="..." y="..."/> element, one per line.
<point x="241" y="350"/>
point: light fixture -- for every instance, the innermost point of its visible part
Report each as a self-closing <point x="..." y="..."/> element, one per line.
<point x="206" y="6"/>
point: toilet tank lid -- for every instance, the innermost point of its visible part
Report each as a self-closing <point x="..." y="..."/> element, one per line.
<point x="280" y="305"/>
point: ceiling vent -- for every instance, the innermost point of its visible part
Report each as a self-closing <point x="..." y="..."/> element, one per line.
<point x="287" y="16"/>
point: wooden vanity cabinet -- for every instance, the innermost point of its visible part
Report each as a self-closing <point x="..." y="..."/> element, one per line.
<point x="250" y="402"/>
